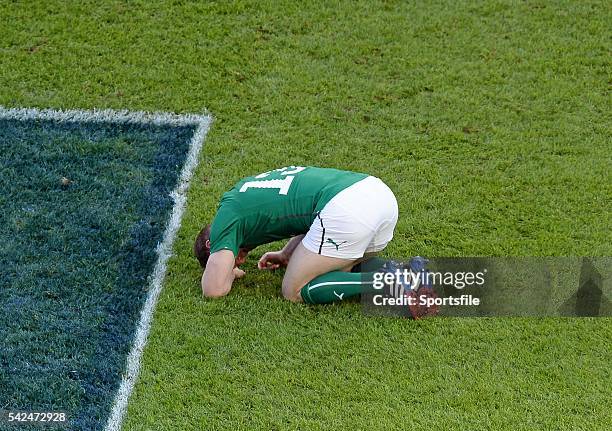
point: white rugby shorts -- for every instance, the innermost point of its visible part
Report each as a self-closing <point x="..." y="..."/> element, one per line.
<point x="358" y="220"/>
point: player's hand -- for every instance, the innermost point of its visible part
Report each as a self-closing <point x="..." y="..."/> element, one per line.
<point x="272" y="260"/>
<point x="238" y="273"/>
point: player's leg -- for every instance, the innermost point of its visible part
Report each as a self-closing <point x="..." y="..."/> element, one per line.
<point x="357" y="223"/>
<point x="305" y="266"/>
<point x="349" y="281"/>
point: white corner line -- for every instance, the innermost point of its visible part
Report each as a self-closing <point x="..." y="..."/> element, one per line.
<point x="164" y="249"/>
<point x="105" y="116"/>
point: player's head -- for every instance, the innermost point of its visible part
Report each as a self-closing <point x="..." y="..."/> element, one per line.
<point x="201" y="248"/>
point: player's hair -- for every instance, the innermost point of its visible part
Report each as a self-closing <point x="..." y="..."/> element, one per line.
<point x="199" y="247"/>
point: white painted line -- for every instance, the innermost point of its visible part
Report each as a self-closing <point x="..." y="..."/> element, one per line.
<point x="105" y="116"/>
<point x="164" y="249"/>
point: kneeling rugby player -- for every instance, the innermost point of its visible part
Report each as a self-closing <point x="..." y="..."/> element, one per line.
<point x="334" y="219"/>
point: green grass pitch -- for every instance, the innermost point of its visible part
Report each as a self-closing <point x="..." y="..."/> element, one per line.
<point x="490" y="121"/>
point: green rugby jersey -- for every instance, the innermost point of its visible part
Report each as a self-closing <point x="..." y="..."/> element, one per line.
<point x="275" y="205"/>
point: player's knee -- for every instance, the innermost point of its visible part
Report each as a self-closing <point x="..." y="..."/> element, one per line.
<point x="291" y="291"/>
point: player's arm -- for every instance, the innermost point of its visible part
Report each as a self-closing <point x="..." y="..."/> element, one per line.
<point x="276" y="259"/>
<point x="219" y="274"/>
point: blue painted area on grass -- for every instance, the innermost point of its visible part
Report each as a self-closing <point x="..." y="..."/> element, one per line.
<point x="82" y="209"/>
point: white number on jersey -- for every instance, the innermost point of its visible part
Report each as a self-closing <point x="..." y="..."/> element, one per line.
<point x="282" y="185"/>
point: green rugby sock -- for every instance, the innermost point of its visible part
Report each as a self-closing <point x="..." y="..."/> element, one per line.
<point x="336" y="286"/>
<point x="374" y="263"/>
